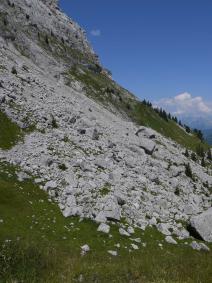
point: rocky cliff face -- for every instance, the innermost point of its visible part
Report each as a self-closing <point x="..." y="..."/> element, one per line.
<point x="42" y="33"/>
<point x="94" y="163"/>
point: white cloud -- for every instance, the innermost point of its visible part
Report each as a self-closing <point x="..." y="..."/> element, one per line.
<point x="185" y="105"/>
<point x="96" y="32"/>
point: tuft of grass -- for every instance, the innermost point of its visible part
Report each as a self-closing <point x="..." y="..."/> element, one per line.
<point x="62" y="167"/>
<point x="54" y="123"/>
<point x="105" y="190"/>
<point x="10" y="133"/>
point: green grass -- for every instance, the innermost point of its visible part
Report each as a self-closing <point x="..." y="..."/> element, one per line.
<point x="37" y="244"/>
<point x="10" y="133"/>
<point x="105" y="190"/>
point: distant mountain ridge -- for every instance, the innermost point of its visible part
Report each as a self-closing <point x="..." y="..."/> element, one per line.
<point x="208" y="135"/>
<point x="201" y="123"/>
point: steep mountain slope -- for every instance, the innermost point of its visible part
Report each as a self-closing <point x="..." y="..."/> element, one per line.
<point x="91" y="158"/>
<point x="54" y="42"/>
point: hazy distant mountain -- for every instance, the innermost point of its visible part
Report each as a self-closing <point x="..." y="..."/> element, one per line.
<point x="201" y="123"/>
<point x="208" y="135"/>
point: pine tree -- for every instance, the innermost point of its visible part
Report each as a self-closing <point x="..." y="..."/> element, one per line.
<point x="200" y="150"/>
<point x="188" y="130"/>
<point x="203" y="162"/>
<point x="193" y="156"/>
<point x="186" y="153"/>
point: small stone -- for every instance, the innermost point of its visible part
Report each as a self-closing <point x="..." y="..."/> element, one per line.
<point x="113" y="253"/>
<point x="104" y="228"/>
<point x="199" y="246"/>
<point x="123" y="232"/>
<point x="170" y="240"/>
<point x="85" y="249"/>
<point x="130" y="230"/>
<point x="50" y="185"/>
<point x="135" y="247"/>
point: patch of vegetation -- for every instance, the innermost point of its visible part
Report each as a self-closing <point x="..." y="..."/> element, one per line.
<point x="66" y="139"/>
<point x="105" y="190"/>
<point x="54" y="123"/>
<point x="14" y="71"/>
<point x="62" y="167"/>
<point x="186" y="153"/>
<point x="188" y="171"/>
<point x="37" y="244"/>
<point x="177" y="191"/>
<point x="10" y="133"/>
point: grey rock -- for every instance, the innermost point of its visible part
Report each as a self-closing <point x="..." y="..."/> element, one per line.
<point x="135" y="247"/>
<point x="50" y="185"/>
<point x="202" y="225"/>
<point x="113" y="253"/>
<point x="130" y="230"/>
<point x="163" y="228"/>
<point x="85" y="249"/>
<point x="104" y="228"/>
<point x="199" y="246"/>
<point x="123" y="232"/>
<point x="170" y="240"/>
<point x="148" y="145"/>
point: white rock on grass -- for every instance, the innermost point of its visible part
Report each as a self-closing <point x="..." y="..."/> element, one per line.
<point x="199" y="246"/>
<point x="163" y="228"/>
<point x="85" y="249"/>
<point x="130" y="230"/>
<point x="104" y="228"/>
<point x="170" y="240"/>
<point x="202" y="224"/>
<point x="113" y="253"/>
<point x="123" y="232"/>
<point x="135" y="247"/>
<point x="50" y="185"/>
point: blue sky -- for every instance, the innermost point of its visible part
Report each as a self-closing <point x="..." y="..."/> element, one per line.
<point x="158" y="49"/>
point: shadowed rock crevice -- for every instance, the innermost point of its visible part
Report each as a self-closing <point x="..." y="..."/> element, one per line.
<point x="193" y="232"/>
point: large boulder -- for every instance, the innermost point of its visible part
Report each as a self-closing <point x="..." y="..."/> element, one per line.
<point x="148" y="145"/>
<point x="110" y="210"/>
<point x="201" y="226"/>
<point x="71" y="208"/>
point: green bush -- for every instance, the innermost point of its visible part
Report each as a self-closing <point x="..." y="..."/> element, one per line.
<point x="14" y="71"/>
<point x="54" y="123"/>
<point x="188" y="170"/>
<point x="62" y="167"/>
